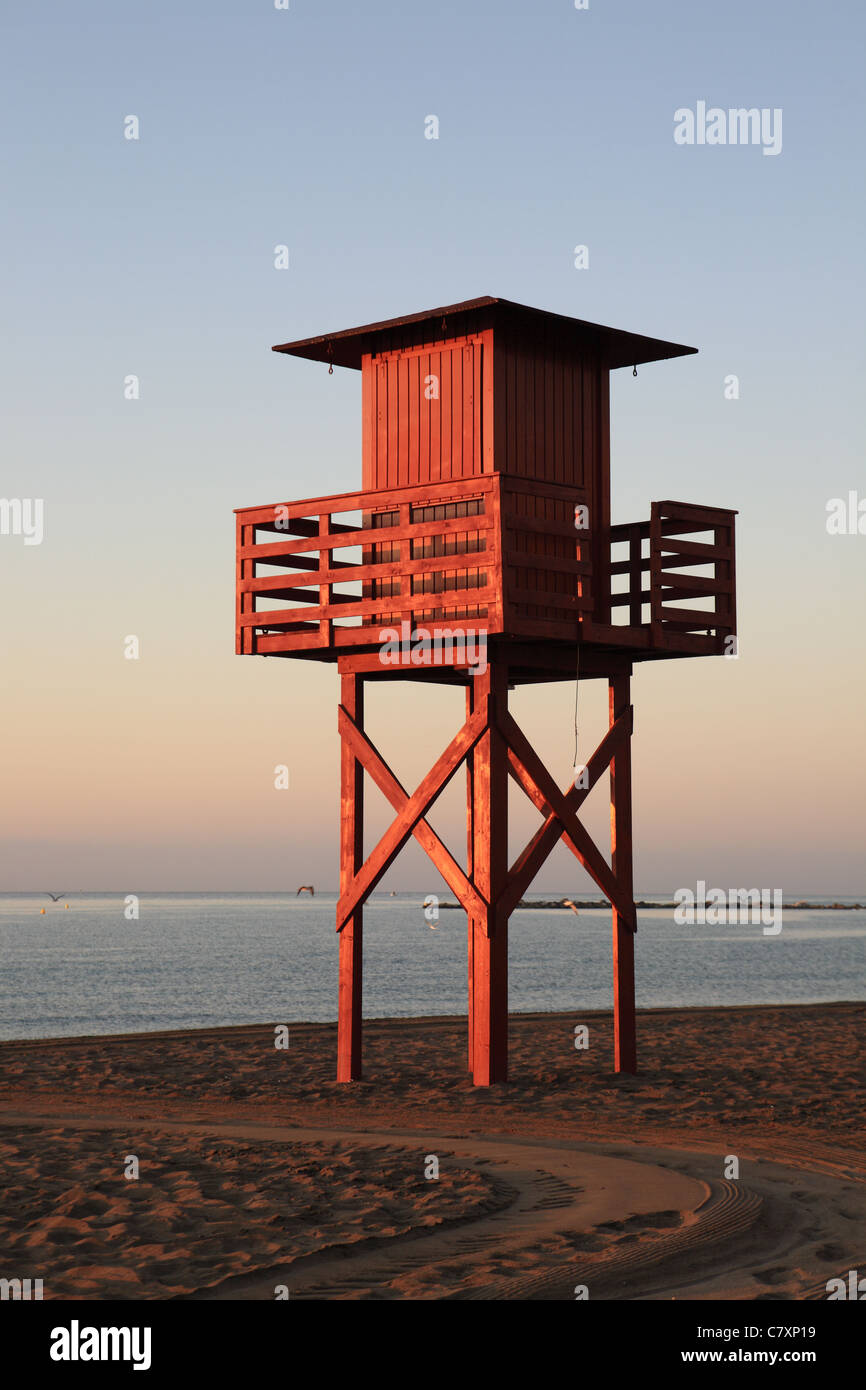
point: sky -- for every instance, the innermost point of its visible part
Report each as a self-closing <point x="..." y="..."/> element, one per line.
<point x="155" y="257"/>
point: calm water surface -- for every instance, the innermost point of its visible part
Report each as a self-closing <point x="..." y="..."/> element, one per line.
<point x="199" y="960"/>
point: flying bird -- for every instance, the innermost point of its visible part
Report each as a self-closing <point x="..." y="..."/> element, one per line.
<point x="55" y="897"/>
<point x="306" y="888"/>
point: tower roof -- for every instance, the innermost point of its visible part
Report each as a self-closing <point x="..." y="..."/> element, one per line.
<point x="346" y="347"/>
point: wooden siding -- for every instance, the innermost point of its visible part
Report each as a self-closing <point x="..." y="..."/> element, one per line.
<point x="424" y="414"/>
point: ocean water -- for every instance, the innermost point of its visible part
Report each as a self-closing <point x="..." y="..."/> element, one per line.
<point x="202" y="960"/>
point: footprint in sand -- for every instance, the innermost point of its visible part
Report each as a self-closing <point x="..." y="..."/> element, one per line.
<point x="777" y="1275"/>
<point x="830" y="1253"/>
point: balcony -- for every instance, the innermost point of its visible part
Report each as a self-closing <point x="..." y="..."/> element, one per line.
<point x="495" y="554"/>
<point x="658" y="570"/>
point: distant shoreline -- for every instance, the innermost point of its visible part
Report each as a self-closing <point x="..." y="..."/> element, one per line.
<point x="569" y="904"/>
<point x="800" y="905"/>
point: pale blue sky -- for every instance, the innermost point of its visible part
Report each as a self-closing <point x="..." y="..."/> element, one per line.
<point x="306" y="127"/>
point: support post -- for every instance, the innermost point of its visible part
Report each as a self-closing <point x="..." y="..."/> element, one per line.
<point x="624" y="1027"/>
<point x="351" y="861"/>
<point x="490" y="870"/>
<point x="470" y="872"/>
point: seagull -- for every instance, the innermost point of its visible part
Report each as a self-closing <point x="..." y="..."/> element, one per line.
<point x="306" y="888"/>
<point x="566" y="902"/>
<point x="55" y="897"/>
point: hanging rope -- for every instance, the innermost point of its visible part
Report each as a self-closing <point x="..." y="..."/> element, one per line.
<point x="576" y="722"/>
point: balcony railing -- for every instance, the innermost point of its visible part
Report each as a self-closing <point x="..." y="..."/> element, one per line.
<point x="422" y="554"/>
<point x="655" y="606"/>
<point x="495" y="553"/>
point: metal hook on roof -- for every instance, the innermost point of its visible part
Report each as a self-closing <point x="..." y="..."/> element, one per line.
<point x="330" y="356"/>
<point x="634" y="371"/>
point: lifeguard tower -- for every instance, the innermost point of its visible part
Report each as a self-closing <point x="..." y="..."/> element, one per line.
<point x="483" y="526"/>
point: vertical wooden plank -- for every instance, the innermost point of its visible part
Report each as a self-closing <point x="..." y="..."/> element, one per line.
<point x="725" y="572"/>
<point x="572" y="462"/>
<point x="405" y="545"/>
<point x="599" y="507"/>
<point x="656" y="575"/>
<point x="393" y="423"/>
<point x="635" y="574"/>
<point x="349" y="1003"/>
<point x="540" y="464"/>
<point x="403" y="421"/>
<point x="456" y="356"/>
<point x="526" y="425"/>
<point x="244" y="603"/>
<point x="382" y="471"/>
<point x="446" y="467"/>
<point x="624" y="1024"/>
<point x="485" y="376"/>
<point x="552" y="471"/>
<point x="513" y="408"/>
<point x="559" y="466"/>
<point x="424" y="370"/>
<point x="469" y="399"/>
<point x="498" y="612"/>
<point x="326" y="626"/>
<point x="587" y="464"/>
<point x="413" y="365"/>
<point x="730" y="569"/>
<point x="435" y="408"/>
<point x="368" y="412"/>
<point x="490" y="861"/>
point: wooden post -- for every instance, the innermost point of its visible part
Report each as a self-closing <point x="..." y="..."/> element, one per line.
<point x="624" y="1029"/>
<point x="470" y="874"/>
<point x="351" y="861"/>
<point x="490" y="867"/>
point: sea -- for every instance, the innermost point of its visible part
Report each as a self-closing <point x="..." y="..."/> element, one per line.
<point x="202" y="960"/>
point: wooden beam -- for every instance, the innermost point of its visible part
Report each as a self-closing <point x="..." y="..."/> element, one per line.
<point x="472" y="917"/>
<point x="349" y="1026"/>
<point x="524" y="868"/>
<point x="396" y="793"/>
<point x="490" y="868"/>
<point x="414" y="810"/>
<point x="530" y="773"/>
<point x="624" y="925"/>
<point x="388" y="535"/>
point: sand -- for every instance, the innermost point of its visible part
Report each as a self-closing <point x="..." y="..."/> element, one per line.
<point x="260" y="1177"/>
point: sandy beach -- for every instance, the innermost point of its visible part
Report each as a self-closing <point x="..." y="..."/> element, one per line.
<point x="258" y="1175"/>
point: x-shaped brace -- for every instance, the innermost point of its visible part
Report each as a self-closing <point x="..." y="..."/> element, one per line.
<point x="559" y="808"/>
<point x="527" y="769"/>
<point x="411" y="811"/>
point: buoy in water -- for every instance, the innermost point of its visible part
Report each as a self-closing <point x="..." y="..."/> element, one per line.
<point x="42" y="912"/>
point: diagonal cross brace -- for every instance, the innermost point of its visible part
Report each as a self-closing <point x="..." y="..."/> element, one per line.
<point x="530" y="773"/>
<point x="373" y="762"/>
<point x="413" y="810"/>
<point x="561" y="820"/>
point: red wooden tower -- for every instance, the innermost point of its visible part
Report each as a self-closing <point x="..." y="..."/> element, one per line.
<point x="479" y="552"/>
